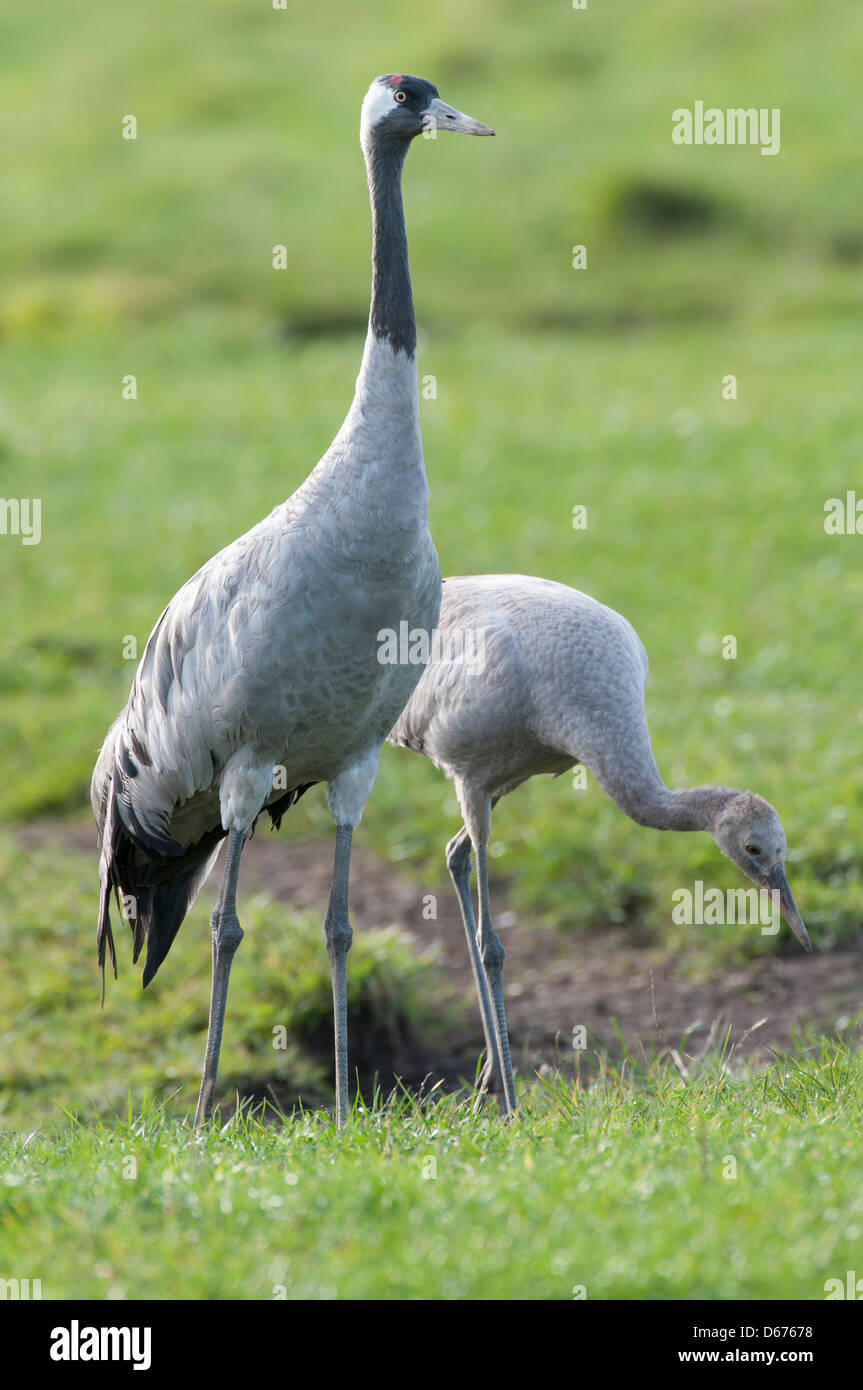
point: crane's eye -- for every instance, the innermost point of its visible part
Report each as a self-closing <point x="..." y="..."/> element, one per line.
<point x="753" y="849"/>
<point x="401" y="96"/>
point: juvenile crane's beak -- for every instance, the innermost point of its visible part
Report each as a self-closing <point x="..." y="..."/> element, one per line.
<point x="779" y="884"/>
<point x="447" y="118"/>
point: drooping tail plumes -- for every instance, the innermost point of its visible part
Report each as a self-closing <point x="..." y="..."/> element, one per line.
<point x="154" y="887"/>
<point x="154" y="890"/>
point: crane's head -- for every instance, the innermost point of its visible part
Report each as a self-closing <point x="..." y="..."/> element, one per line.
<point x="748" y="830"/>
<point x="402" y="106"/>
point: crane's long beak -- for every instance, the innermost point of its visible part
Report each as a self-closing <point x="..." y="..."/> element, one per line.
<point x="779" y="883"/>
<point x="447" y="118"/>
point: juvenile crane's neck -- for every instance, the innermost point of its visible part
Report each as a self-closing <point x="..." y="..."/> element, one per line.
<point x="678" y="808"/>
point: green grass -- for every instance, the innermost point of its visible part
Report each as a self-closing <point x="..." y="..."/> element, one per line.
<point x="58" y="1051"/>
<point x="723" y="1186"/>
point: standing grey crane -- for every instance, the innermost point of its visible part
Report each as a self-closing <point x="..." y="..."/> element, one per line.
<point x="529" y="676"/>
<point x="265" y="668"/>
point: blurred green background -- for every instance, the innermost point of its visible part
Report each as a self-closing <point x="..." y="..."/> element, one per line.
<point x="554" y="387"/>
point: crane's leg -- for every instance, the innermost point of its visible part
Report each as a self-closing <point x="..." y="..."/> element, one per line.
<point x="493" y="955"/>
<point x="227" y="935"/>
<point x="476" y="806"/>
<point x="347" y="794"/>
<point x="458" y="863"/>
<point x="340" y="934"/>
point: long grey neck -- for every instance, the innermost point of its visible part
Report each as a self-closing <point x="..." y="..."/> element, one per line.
<point x="666" y="808"/>
<point x="392" y="309"/>
<point x="374" y="468"/>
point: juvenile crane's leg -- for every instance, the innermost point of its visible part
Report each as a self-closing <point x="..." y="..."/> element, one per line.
<point x="340" y="934"/>
<point x="476" y="806"/>
<point x="458" y="863"/>
<point x="493" y="956"/>
<point x="227" y="935"/>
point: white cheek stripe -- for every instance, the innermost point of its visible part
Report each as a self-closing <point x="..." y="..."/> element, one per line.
<point x="378" y="102"/>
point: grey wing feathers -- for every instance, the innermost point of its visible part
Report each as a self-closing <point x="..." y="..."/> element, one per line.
<point x="166" y="750"/>
<point x="171" y="740"/>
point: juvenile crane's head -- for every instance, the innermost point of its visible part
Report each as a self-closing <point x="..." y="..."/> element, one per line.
<point x="748" y="830"/>
<point x="401" y="106"/>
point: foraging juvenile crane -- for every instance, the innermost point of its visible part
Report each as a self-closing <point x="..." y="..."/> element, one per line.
<point x="528" y="676"/>
<point x="262" y="676"/>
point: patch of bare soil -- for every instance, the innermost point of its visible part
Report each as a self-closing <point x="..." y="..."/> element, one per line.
<point x="553" y="981"/>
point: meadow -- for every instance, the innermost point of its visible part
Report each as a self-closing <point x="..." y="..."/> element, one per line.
<point x="642" y="1187"/>
<point x="552" y="388"/>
